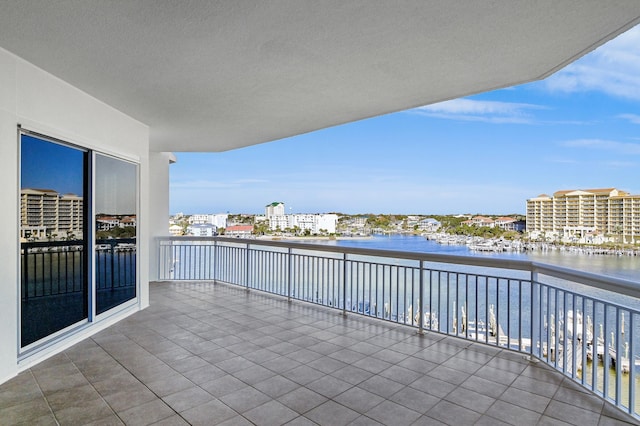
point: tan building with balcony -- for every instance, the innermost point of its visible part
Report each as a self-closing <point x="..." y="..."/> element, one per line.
<point x="624" y="218"/>
<point x="45" y="212"/>
<point x="578" y="214"/>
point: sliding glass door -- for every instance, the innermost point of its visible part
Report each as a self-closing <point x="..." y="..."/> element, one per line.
<point x="78" y="245"/>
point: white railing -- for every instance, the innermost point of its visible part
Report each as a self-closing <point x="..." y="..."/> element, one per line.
<point x="584" y="325"/>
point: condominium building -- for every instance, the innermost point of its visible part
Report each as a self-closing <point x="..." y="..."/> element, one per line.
<point x="218" y="220"/>
<point x="578" y="215"/>
<point x="624" y="218"/>
<point x="45" y="212"/>
<point x="274" y="209"/>
<point x="314" y="223"/>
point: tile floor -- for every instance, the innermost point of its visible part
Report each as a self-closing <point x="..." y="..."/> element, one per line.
<point x="206" y="354"/>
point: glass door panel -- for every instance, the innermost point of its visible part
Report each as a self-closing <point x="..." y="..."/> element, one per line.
<point x="116" y="201"/>
<point x="53" y="238"/>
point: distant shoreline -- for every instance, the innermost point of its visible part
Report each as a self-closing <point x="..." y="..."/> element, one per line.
<point x="311" y="238"/>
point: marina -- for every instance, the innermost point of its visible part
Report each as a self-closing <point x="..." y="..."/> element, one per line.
<point x="621" y="264"/>
<point x="499" y="245"/>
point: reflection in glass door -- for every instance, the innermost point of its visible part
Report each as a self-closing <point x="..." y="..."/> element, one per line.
<point x="116" y="200"/>
<point x="53" y="237"/>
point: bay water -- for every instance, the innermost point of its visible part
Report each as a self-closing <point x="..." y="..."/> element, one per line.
<point x="625" y="267"/>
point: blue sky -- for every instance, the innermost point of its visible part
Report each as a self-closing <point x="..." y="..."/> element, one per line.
<point x="578" y="129"/>
<point x="47" y="165"/>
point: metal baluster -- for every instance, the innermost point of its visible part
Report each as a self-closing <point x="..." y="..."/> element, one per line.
<point x="420" y="300"/>
<point x="632" y="359"/>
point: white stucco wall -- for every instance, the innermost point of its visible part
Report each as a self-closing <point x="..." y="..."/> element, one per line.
<point x="158" y="205"/>
<point x="43" y="103"/>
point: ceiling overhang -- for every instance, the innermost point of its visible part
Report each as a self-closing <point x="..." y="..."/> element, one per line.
<point x="216" y="75"/>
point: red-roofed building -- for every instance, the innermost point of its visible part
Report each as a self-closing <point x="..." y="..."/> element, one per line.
<point x="239" y="231"/>
<point x="480" y="221"/>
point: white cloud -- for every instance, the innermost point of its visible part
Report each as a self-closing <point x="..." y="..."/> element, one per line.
<point x="621" y="164"/>
<point x="485" y="111"/>
<point x="626" y="148"/>
<point x="613" y="68"/>
<point x="633" y="118"/>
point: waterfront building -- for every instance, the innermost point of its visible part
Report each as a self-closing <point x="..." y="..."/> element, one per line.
<point x="480" y="221"/>
<point x="202" y="230"/>
<point x="219" y="219"/>
<point x="128" y="221"/>
<point x="352" y="225"/>
<point x="429" y="225"/>
<point x="624" y="218"/>
<point x="313" y="223"/>
<point x="106" y="223"/>
<point x="175" y="230"/>
<point x="198" y="218"/>
<point x="278" y="223"/>
<point x="325" y="222"/>
<point x="239" y="231"/>
<point x="510" y="224"/>
<point x="274" y="209"/>
<point x="46" y="213"/>
<point x="580" y="215"/>
<point x="359" y="221"/>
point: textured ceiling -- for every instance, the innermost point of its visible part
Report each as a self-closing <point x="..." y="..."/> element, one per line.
<point x="215" y="75"/>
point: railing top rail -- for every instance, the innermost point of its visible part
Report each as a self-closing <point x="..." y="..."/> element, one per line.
<point x="61" y="243"/>
<point x="617" y="285"/>
<point x="114" y="241"/>
<point x="603" y="282"/>
<point x="405" y="255"/>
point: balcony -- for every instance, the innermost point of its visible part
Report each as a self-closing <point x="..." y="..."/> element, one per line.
<point x="272" y="332"/>
<point x="208" y="353"/>
<point x="347" y="75"/>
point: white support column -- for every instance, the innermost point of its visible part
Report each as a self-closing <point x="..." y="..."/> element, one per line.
<point x="158" y="213"/>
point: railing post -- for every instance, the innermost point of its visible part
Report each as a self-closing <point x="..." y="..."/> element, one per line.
<point x="632" y="369"/>
<point x="160" y="258"/>
<point x="617" y="347"/>
<point x="290" y="272"/>
<point x="246" y="276"/>
<point x="344" y="284"/>
<point x="606" y="361"/>
<point x="113" y="255"/>
<point x="535" y="313"/>
<point x="25" y="260"/>
<point x="420" y="301"/>
<point x="215" y="261"/>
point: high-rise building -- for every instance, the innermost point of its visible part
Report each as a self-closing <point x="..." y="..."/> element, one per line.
<point x="45" y="212"/>
<point x="575" y="214"/>
<point x="274" y="209"/>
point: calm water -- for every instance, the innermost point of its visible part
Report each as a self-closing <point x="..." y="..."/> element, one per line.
<point x="627" y="267"/>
